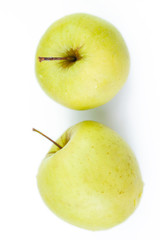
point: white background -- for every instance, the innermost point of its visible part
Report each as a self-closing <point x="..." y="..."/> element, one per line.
<point x="133" y="113"/>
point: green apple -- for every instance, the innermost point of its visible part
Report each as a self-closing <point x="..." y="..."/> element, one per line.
<point x="91" y="179"/>
<point x="82" y="61"/>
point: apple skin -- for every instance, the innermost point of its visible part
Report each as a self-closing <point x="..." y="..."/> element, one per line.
<point x="94" y="181"/>
<point x="97" y="76"/>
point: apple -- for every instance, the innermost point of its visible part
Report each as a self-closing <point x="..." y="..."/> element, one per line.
<point x="90" y="178"/>
<point x="82" y="61"/>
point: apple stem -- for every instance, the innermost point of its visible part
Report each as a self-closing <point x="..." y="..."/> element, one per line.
<point x="72" y="59"/>
<point x="47" y="137"/>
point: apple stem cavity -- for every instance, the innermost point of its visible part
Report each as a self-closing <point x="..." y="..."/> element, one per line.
<point x="35" y="130"/>
<point x="69" y="58"/>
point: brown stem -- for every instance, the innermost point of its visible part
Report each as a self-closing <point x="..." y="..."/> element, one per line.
<point x="72" y="59"/>
<point x="47" y="137"/>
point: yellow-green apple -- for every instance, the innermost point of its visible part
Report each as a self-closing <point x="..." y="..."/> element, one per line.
<point x="91" y="178"/>
<point x="82" y="61"/>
